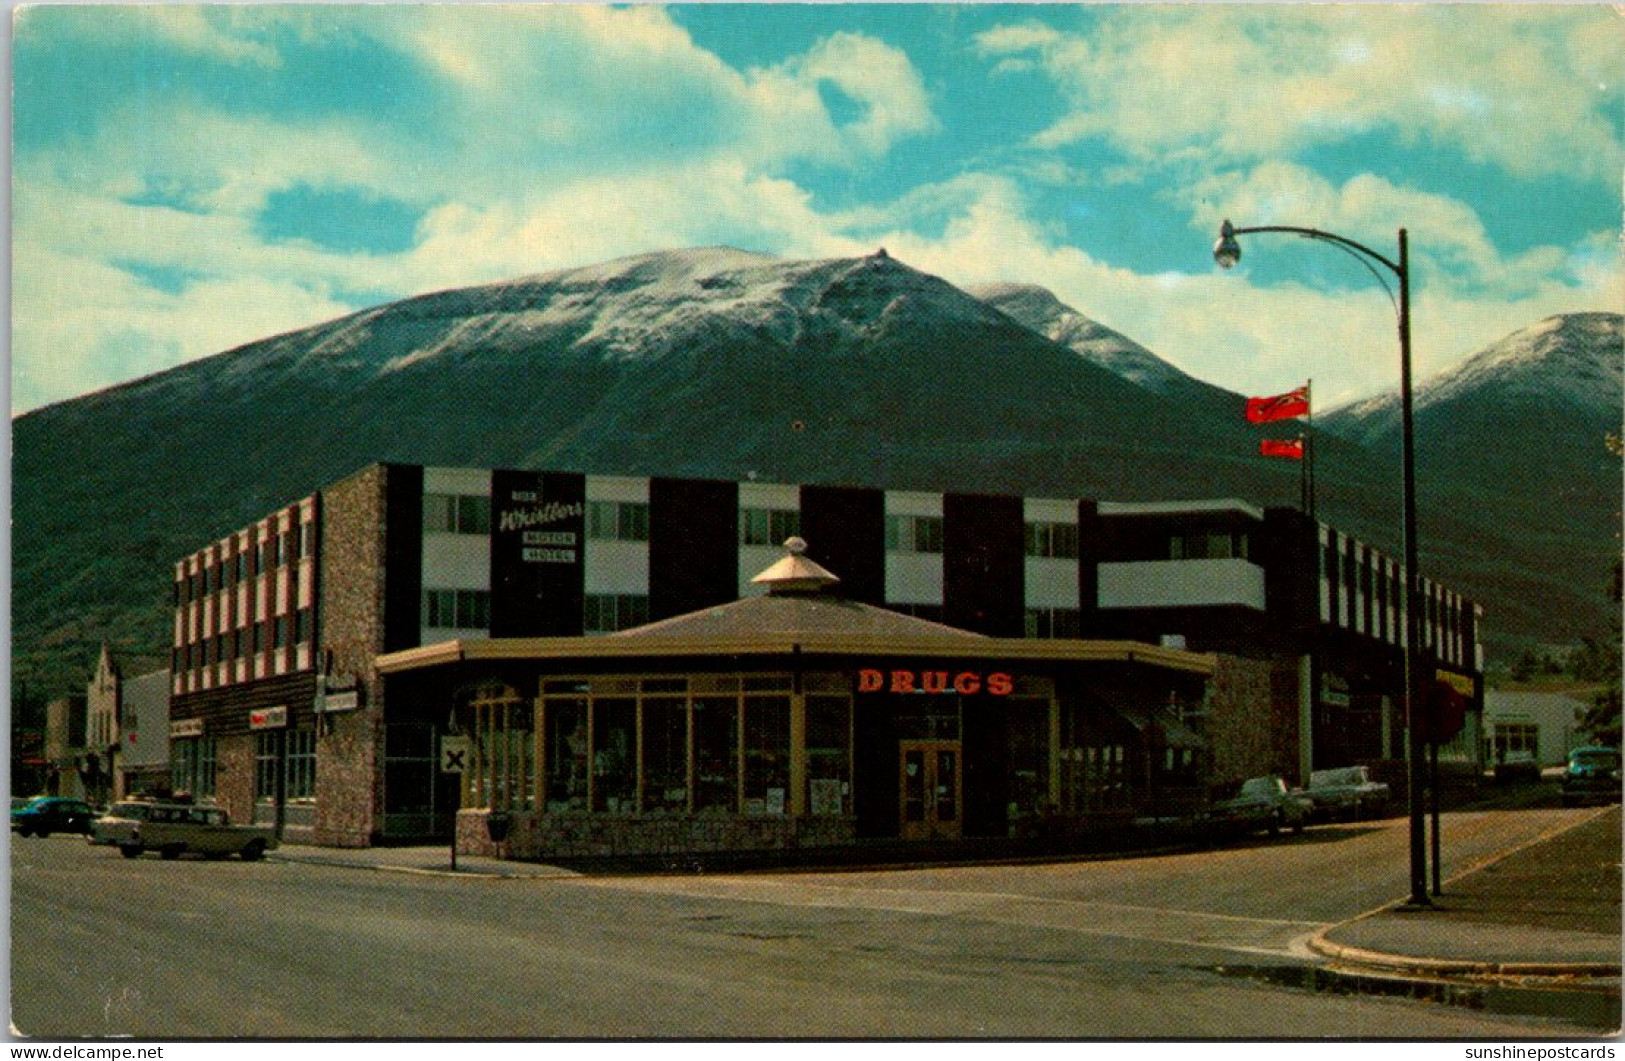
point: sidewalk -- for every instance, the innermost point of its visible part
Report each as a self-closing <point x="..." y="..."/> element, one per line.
<point x="435" y="861"/>
<point x="1537" y="930"/>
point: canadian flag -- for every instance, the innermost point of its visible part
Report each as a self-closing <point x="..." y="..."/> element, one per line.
<point x="1280" y="407"/>
<point x="1291" y="448"/>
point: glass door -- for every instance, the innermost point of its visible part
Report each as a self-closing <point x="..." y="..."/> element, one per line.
<point x="928" y="790"/>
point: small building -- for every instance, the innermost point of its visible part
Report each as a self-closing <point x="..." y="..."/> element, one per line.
<point x="802" y="719"/>
<point x="1544" y="725"/>
<point x="65" y="753"/>
<point x="102" y="731"/>
<point x="143" y="764"/>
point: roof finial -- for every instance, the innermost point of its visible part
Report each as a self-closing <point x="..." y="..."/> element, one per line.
<point x="795" y="573"/>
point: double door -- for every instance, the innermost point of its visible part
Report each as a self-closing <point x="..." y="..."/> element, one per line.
<point x="930" y="801"/>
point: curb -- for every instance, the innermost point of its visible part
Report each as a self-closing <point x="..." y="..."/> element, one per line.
<point x="461" y="874"/>
<point x="1379" y="961"/>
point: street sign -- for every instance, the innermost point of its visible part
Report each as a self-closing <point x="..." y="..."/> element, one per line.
<point x="455" y="754"/>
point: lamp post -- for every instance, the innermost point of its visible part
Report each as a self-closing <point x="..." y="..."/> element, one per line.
<point x="1227" y="252"/>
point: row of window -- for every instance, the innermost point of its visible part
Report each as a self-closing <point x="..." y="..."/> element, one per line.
<point x="192" y="766"/>
<point x="628" y="521"/>
<point x="246" y="642"/>
<point x="273" y="551"/>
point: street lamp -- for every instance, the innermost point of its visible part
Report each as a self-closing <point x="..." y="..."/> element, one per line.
<point x="1227" y="252"/>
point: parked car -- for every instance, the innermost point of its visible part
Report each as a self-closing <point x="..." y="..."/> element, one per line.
<point x="1517" y="766"/>
<point x="44" y="815"/>
<point x="1347" y="792"/>
<point x="172" y="829"/>
<point x="1591" y="775"/>
<point x="1261" y="803"/>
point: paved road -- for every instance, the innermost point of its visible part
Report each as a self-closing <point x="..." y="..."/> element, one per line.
<point x="1154" y="948"/>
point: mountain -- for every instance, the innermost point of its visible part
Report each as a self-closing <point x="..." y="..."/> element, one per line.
<point x="709" y="362"/>
<point x="1038" y="308"/>
<point x="1523" y="427"/>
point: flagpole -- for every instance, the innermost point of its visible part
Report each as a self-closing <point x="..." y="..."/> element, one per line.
<point x="1309" y="448"/>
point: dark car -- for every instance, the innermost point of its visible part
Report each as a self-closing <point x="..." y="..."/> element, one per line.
<point x="1592" y="775"/>
<point x="45" y="815"/>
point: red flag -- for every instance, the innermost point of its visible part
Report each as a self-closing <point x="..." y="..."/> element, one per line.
<point x="1280" y="407"/>
<point x="1292" y="449"/>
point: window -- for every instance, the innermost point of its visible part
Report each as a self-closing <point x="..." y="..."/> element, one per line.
<point x="1209" y="545"/>
<point x="565" y="742"/>
<point x="619" y="521"/>
<point x="245" y="565"/>
<point x="1028" y="754"/>
<point x="302" y="626"/>
<point x="716" y="753"/>
<point x="767" y="754"/>
<point x="457" y="513"/>
<point x="1053" y="622"/>
<point x="1059" y="540"/>
<point x="192" y="766"/>
<point x="301" y="771"/>
<point x="829" y="755"/>
<point x="914" y="534"/>
<point x="603" y="614"/>
<point x="267" y="760"/>
<point x="460" y="609"/>
<point x="267" y="556"/>
<point x="409" y="768"/>
<point x="281" y="634"/>
<point x="307" y="533"/>
<point x="282" y="543"/>
<point x="615" y="755"/>
<point x="665" y="755"/>
<point x="768" y="526"/>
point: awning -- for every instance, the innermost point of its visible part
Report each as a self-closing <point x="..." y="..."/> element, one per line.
<point x="1175" y="734"/>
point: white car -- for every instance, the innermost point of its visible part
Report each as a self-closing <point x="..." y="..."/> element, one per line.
<point x="1347" y="792"/>
<point x="1262" y="803"/>
<point x="172" y="829"/>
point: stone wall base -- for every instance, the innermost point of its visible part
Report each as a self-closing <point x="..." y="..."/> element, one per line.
<point x="540" y="836"/>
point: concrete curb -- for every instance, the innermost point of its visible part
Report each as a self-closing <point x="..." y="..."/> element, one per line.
<point x="1378" y="961"/>
<point x="422" y="871"/>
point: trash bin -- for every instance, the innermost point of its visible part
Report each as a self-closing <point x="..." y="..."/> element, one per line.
<point x="497" y="824"/>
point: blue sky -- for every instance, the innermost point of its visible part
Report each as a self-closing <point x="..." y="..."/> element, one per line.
<point x="187" y="178"/>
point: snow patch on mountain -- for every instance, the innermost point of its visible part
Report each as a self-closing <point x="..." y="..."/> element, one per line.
<point x="1037" y="308"/>
<point x="1574" y="359"/>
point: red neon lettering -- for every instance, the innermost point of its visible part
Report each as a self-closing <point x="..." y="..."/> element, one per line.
<point x="934" y="681"/>
<point x="870" y="681"/>
<point x="1000" y="684"/>
<point x="902" y="681"/>
<point x="967" y="684"/>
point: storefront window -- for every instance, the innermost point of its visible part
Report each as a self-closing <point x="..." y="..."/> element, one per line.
<point x="829" y="755"/>
<point x="301" y="772"/>
<point x="1029" y="755"/>
<point x="716" y="754"/>
<point x="409" y="765"/>
<point x="192" y="766"/>
<point x="267" y="756"/>
<point x="615" y="755"/>
<point x="767" y="754"/>
<point x="565" y="740"/>
<point x="665" y="756"/>
<point x="505" y="762"/>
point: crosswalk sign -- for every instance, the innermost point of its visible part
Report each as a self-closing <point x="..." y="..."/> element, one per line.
<point x="455" y="753"/>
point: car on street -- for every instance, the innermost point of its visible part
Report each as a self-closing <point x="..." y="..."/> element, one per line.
<point x="44" y="815"/>
<point x="1592" y="775"/>
<point x="1347" y="793"/>
<point x="1260" y="803"/>
<point x="173" y="829"/>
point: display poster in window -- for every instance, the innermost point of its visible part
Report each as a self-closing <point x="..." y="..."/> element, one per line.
<point x="538" y="531"/>
<point x="824" y="795"/>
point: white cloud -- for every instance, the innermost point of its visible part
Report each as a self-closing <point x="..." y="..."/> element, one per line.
<point x="1451" y="249"/>
<point x="1533" y="90"/>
